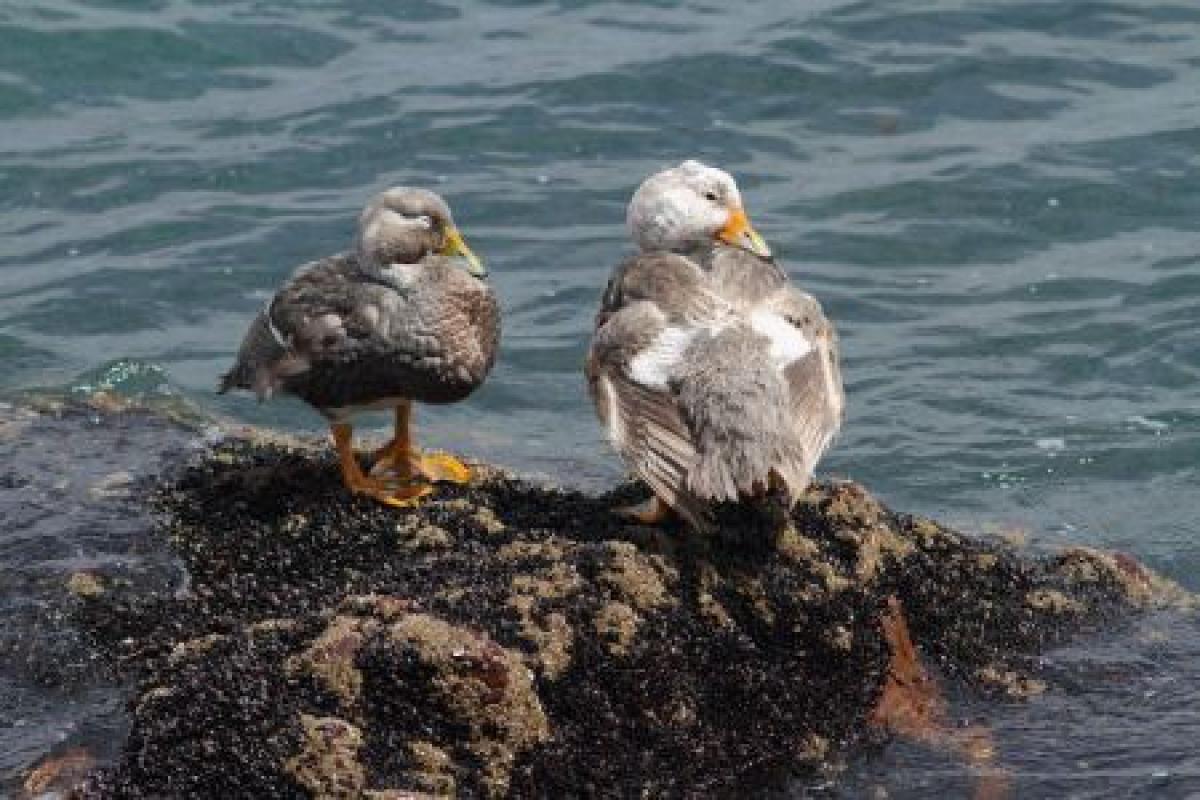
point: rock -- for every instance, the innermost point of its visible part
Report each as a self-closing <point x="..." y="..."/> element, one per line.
<point x="85" y="585"/>
<point x="1122" y="575"/>
<point x="327" y="764"/>
<point x="510" y="639"/>
<point x="477" y="700"/>
<point x="333" y="658"/>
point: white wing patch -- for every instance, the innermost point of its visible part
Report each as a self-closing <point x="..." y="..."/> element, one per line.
<point x="654" y="366"/>
<point x="787" y="343"/>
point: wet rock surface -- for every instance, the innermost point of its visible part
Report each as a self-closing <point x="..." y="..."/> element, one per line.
<point x="71" y="523"/>
<point x="512" y="639"/>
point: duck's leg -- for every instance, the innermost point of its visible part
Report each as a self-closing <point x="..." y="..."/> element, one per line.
<point x="396" y="458"/>
<point x="650" y="512"/>
<point x="352" y="474"/>
<point x="399" y="458"/>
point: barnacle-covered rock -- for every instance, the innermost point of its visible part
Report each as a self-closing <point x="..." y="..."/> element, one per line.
<point x="513" y="639"/>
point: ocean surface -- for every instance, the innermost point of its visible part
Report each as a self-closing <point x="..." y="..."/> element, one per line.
<point x="997" y="201"/>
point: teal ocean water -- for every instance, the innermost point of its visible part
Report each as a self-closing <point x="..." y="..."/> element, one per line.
<point x="998" y="202"/>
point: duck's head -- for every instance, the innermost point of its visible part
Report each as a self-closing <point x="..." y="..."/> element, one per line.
<point x="403" y="225"/>
<point x="689" y="207"/>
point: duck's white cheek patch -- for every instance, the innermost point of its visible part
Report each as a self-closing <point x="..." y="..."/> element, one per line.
<point x="654" y="366"/>
<point x="787" y="343"/>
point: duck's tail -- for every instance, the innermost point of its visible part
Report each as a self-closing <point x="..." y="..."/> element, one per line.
<point x="740" y="413"/>
<point x="262" y="361"/>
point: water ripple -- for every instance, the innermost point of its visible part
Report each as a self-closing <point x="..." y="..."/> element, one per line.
<point x="997" y="201"/>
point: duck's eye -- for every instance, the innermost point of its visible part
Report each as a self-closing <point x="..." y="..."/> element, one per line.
<point x="710" y="196"/>
<point x="424" y="221"/>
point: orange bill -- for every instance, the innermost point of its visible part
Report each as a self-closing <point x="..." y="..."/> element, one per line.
<point x="739" y="233"/>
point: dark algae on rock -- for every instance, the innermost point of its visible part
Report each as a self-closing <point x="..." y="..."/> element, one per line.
<point x="512" y="639"/>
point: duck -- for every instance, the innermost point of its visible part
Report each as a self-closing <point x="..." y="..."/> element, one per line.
<point x="406" y="315"/>
<point x="715" y="378"/>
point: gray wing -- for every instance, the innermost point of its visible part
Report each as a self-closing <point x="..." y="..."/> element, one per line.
<point x="307" y="310"/>
<point x="654" y="307"/>
<point x="743" y="278"/>
<point x="814" y="381"/>
<point x="762" y="398"/>
<point x="674" y="285"/>
<point x="642" y="418"/>
<point x="318" y="313"/>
